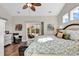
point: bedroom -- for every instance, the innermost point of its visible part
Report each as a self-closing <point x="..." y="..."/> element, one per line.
<point x="47" y="18"/>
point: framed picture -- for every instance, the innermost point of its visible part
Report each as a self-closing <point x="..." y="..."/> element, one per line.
<point x="50" y="27"/>
<point x="18" y="27"/>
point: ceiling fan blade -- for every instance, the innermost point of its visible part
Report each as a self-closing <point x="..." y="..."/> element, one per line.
<point x="36" y="4"/>
<point x="25" y="6"/>
<point x="33" y="8"/>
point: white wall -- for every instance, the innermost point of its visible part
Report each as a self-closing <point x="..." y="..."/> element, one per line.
<point x="24" y="19"/>
<point x="6" y="15"/>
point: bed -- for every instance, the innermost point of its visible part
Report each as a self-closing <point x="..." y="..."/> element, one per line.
<point x="50" y="45"/>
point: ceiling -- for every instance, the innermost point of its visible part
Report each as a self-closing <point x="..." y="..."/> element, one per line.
<point x="46" y="9"/>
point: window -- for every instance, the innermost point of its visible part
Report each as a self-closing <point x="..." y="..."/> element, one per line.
<point x="66" y="18"/>
<point x="74" y="14"/>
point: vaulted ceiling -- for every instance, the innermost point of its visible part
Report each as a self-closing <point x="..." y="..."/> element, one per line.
<point x="46" y="9"/>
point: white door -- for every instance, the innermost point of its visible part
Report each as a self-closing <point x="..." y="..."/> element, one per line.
<point x="2" y="32"/>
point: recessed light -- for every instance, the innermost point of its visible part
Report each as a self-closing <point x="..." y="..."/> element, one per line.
<point x="49" y="11"/>
<point x="18" y="12"/>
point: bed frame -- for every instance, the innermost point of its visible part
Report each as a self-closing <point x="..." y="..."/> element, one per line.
<point x="70" y="25"/>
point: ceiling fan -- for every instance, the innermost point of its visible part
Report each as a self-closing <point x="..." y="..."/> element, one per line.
<point x="31" y="5"/>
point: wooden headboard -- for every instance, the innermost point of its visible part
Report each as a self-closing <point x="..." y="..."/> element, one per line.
<point x="70" y="25"/>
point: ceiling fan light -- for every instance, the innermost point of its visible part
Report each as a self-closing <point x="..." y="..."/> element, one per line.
<point x="29" y="4"/>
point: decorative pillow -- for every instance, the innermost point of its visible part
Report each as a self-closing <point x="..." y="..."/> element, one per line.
<point x="74" y="35"/>
<point x="64" y="31"/>
<point x="66" y="36"/>
<point x="63" y="34"/>
<point x="60" y="34"/>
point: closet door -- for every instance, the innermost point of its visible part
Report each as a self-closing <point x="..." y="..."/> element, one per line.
<point x="2" y="32"/>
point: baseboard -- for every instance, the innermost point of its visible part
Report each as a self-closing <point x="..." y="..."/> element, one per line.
<point x="7" y="45"/>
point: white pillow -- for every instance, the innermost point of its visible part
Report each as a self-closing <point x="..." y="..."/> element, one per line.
<point x="60" y="34"/>
<point x="74" y="34"/>
<point x="45" y="39"/>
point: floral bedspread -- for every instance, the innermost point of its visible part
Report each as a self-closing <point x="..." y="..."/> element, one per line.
<point x="55" y="47"/>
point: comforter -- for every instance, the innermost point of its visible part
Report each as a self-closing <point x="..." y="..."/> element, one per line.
<point x="56" y="46"/>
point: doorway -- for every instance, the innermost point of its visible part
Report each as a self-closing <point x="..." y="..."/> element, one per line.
<point x="33" y="29"/>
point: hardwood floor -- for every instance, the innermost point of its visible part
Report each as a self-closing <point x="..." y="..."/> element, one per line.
<point x="12" y="50"/>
